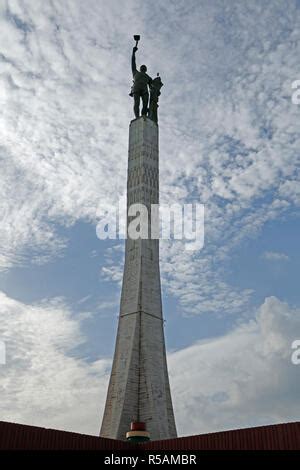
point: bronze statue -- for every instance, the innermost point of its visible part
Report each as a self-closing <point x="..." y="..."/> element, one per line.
<point x="139" y="90"/>
<point x="155" y="87"/>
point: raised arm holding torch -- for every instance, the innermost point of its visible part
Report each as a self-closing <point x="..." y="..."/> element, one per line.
<point x="141" y="82"/>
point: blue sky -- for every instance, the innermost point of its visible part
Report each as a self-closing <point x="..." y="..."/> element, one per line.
<point x="229" y="139"/>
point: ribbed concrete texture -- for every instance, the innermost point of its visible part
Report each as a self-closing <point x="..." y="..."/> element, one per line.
<point x="139" y="385"/>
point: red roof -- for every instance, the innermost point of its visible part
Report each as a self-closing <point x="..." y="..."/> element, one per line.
<point x="274" y="437"/>
<point x="20" y="436"/>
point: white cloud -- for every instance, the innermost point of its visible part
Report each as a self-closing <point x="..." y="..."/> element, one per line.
<point x="63" y="121"/>
<point x="226" y="120"/>
<point x="44" y="382"/>
<point x="291" y="190"/>
<point x="275" y="256"/>
<point x="244" y="378"/>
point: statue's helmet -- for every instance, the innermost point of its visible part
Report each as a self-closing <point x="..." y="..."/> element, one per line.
<point x="143" y="68"/>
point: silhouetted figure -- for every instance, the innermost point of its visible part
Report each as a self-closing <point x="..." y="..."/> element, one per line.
<point x="141" y="81"/>
<point x="155" y="87"/>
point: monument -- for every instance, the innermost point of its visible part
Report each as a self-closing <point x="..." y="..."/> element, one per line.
<point x="139" y="391"/>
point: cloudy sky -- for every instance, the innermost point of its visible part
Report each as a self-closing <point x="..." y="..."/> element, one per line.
<point x="229" y="139"/>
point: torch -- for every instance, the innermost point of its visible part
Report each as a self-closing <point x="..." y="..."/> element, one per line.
<point x="136" y="37"/>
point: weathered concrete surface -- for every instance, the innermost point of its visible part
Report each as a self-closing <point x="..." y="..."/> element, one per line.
<point x="139" y="385"/>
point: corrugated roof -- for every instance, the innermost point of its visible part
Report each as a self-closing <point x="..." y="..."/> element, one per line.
<point x="274" y="437"/>
<point x="20" y="436"/>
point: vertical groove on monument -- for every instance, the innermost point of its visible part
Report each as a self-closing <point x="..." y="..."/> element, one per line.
<point x="139" y="384"/>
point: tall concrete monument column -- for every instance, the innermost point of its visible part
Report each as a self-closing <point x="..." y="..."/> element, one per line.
<point x="139" y="385"/>
<point x="139" y="390"/>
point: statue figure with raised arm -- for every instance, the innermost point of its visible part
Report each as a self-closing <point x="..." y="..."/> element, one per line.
<point x="139" y="90"/>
